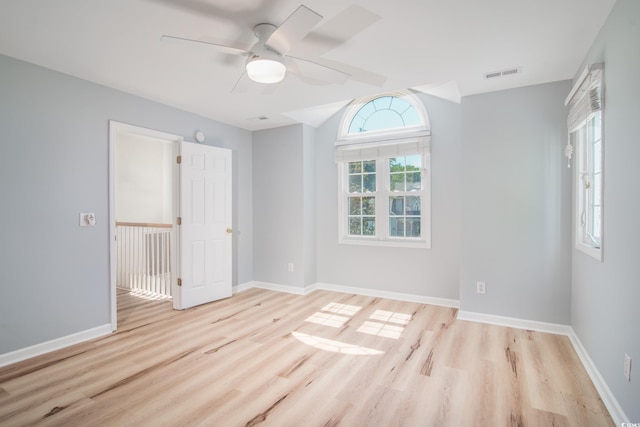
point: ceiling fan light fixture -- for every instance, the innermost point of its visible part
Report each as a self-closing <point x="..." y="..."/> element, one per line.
<point x="265" y="70"/>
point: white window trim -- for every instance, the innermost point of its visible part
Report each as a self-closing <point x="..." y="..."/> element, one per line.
<point x="588" y="87"/>
<point x="381" y="145"/>
<point x="581" y="198"/>
<point x="382" y="237"/>
<point x="384" y="134"/>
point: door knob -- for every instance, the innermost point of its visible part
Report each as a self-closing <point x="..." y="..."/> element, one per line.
<point x="229" y="231"/>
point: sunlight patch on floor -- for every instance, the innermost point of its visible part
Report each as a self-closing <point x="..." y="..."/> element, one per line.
<point x="151" y="296"/>
<point x="386" y="324"/>
<point x="381" y="330"/>
<point x="327" y="319"/>
<point x="334" y="307"/>
<point x="382" y="323"/>
<point x="391" y="317"/>
<point x="335" y="346"/>
<point x="329" y="314"/>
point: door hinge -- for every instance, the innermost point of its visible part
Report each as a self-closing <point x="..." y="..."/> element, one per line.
<point x="179" y="281"/>
<point x="179" y="220"/>
<point x="179" y="159"/>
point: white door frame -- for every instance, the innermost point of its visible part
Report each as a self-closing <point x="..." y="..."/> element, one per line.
<point x="114" y="128"/>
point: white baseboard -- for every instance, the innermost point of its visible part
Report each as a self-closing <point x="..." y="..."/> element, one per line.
<point x="601" y="386"/>
<point x="55" y="344"/>
<point x="349" y="290"/>
<point x="616" y="412"/>
<point x="242" y="287"/>
<point x="275" y="287"/>
<point x="512" y="322"/>
<point x="390" y="295"/>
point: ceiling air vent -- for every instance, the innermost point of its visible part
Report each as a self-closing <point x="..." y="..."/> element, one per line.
<point x="503" y="73"/>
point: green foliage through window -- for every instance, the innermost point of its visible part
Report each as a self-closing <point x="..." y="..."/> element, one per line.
<point x="405" y="173"/>
<point x="362" y="220"/>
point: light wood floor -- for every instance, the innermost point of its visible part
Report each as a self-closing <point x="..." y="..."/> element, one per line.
<point x="325" y="359"/>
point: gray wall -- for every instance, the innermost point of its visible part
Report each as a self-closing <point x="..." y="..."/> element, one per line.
<point x="54" y="164"/>
<point x="279" y="211"/>
<point x="426" y="272"/>
<point x="605" y="296"/>
<point x="516" y="208"/>
<point x="309" y="204"/>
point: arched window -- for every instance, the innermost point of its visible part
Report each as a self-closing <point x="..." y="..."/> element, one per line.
<point x="385" y="113"/>
<point x="383" y="157"/>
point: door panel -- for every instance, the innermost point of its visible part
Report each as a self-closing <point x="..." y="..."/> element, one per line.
<point x="204" y="245"/>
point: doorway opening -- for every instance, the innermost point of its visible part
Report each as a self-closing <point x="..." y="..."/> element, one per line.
<point x="142" y="212"/>
<point x="190" y="186"/>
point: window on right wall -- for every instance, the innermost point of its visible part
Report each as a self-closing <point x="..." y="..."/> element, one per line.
<point x="585" y="126"/>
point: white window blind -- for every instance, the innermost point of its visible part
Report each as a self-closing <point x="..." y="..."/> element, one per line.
<point x="382" y="149"/>
<point x="586" y="97"/>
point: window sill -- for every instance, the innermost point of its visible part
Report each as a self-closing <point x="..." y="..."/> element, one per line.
<point x="390" y="243"/>
<point x="590" y="250"/>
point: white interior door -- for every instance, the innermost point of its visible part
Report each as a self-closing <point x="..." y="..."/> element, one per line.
<point x="205" y="233"/>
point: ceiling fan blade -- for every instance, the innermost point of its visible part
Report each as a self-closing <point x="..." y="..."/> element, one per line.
<point x="357" y="74"/>
<point x="336" y="31"/>
<point x="293" y="29"/>
<point x="317" y="71"/>
<point x="218" y="47"/>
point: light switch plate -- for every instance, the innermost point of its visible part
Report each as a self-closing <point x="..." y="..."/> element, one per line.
<point x="481" y="287"/>
<point x="87" y="219"/>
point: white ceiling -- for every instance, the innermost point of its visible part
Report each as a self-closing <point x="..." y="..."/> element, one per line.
<point x="441" y="47"/>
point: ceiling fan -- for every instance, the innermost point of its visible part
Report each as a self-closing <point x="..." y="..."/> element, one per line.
<point x="268" y="60"/>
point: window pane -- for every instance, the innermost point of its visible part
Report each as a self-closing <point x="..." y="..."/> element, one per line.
<point x="355" y="183"/>
<point x="355" y="226"/>
<point x="413" y="205"/>
<point x="354" y="206"/>
<point x="597" y="157"/>
<point x="355" y="167"/>
<point x="397" y="182"/>
<point x="411" y="117"/>
<point x="370" y="182"/>
<point x="369" y="165"/>
<point x="400" y="105"/>
<point x="369" y="226"/>
<point x="406" y="173"/>
<point x="368" y="205"/>
<point x="382" y="103"/>
<point x="414" y="181"/>
<point x="396" y="205"/>
<point x="597" y="219"/>
<point x="396" y="227"/>
<point x="383" y="119"/>
<point x="413" y="227"/>
<point x="357" y="125"/>
<point x="413" y="163"/>
<point x="396" y="164"/>
<point x="367" y="110"/>
<point x="597" y="189"/>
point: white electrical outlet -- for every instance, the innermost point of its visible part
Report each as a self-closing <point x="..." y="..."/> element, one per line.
<point x="481" y="287"/>
<point x="290" y="267"/>
<point x="627" y="367"/>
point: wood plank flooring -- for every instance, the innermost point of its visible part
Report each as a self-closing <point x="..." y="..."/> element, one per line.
<point x="325" y="359"/>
